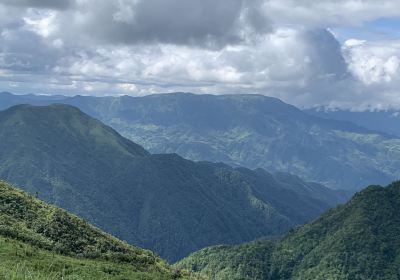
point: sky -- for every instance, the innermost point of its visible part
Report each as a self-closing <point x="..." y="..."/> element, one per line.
<point x="338" y="54"/>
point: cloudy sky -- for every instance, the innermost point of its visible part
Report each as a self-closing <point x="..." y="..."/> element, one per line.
<point x="343" y="53"/>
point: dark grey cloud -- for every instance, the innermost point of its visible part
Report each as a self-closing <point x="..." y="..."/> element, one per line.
<point x="24" y="51"/>
<point x="45" y="4"/>
<point x="326" y="54"/>
<point x="205" y="23"/>
<point x="185" y="21"/>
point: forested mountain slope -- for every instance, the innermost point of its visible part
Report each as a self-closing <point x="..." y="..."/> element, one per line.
<point x="40" y="241"/>
<point x="359" y="240"/>
<point x="160" y="202"/>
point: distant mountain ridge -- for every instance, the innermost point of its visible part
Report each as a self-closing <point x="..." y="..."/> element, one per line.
<point x="386" y="121"/>
<point x="160" y="202"/>
<point x="253" y="131"/>
<point x="358" y="240"/>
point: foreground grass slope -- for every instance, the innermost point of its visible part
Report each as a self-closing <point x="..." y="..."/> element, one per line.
<point x="164" y="203"/>
<point x="40" y="241"/>
<point x="357" y="241"/>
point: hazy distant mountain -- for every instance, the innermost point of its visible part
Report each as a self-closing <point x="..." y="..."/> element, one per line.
<point x="40" y="241"/>
<point x="252" y="131"/>
<point x="8" y="99"/>
<point x="160" y="202"/>
<point x="359" y="240"/>
<point x="385" y="121"/>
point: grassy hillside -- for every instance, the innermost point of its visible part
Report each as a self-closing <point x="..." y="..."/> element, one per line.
<point x="359" y="240"/>
<point x="164" y="203"/>
<point x="40" y="241"/>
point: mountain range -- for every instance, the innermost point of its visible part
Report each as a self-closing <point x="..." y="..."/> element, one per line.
<point x="175" y="206"/>
<point x="355" y="241"/>
<point x="252" y="131"/>
<point x="161" y="202"/>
